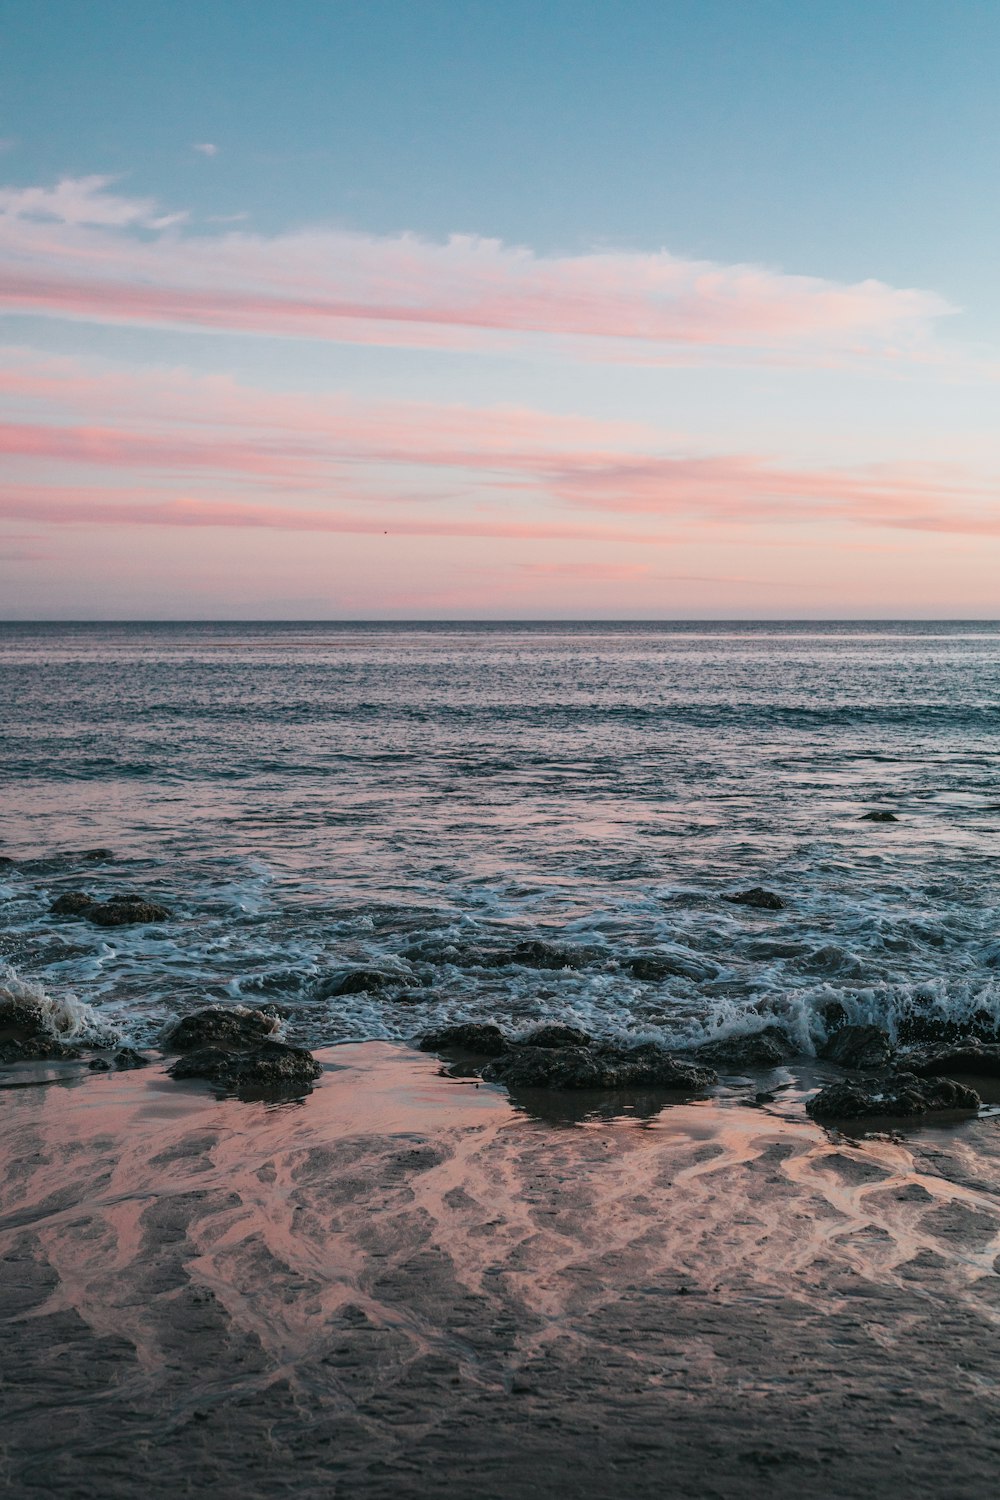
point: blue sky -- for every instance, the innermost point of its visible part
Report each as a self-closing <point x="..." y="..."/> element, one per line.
<point x="852" y="136"/>
<point x="841" y="141"/>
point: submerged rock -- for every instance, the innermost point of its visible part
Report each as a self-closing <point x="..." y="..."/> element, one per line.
<point x="759" y="1049"/>
<point x="655" y="967"/>
<point x="95" y="856"/>
<point x="757" y="897"/>
<point x="72" y="904"/>
<point x="361" y="982"/>
<point x="982" y="1058"/>
<point x="858" y="1047"/>
<point x="899" y="1094"/>
<point x="470" y="1036"/>
<point x="556" y="1036"/>
<point x="879" y="816"/>
<point x="599" y="1067"/>
<point x="122" y="911"/>
<point x="538" y="955"/>
<point x="273" y="1065"/>
<point x="222" y="1026"/>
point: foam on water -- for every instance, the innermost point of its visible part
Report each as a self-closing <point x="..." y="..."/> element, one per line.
<point x="66" y="1017"/>
<point x="315" y="804"/>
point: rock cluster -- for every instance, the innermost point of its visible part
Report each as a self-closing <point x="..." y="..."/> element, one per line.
<point x="26" y="1033"/>
<point x="895" y="1094"/>
<point x="272" y="1067"/>
<point x="232" y="1048"/>
<point x="597" y="1067"/>
<point x="122" y="1061"/>
<point x="232" y="1026"/>
<point x="979" y="1058"/>
<point x="120" y="911"/>
<point x="564" y="1057"/>
<point x="858" y="1047"/>
<point x="759" y="1049"/>
<point x="481" y="1040"/>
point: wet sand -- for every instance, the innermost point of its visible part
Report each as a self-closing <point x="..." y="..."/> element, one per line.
<point x="406" y="1286"/>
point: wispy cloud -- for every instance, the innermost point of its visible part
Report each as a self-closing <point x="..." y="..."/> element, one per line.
<point x="79" y="507"/>
<point x="205" y="148"/>
<point x="491" y="464"/>
<point x="72" y="251"/>
<point x="75" y="202"/>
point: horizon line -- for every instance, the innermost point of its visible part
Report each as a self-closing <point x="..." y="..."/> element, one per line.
<point x="513" y="620"/>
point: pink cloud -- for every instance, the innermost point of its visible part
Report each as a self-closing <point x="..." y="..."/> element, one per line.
<point x="339" y="450"/>
<point x="588" y="572"/>
<point x="112" y="448"/>
<point x="76" y="507"/>
<point x="71" y="251"/>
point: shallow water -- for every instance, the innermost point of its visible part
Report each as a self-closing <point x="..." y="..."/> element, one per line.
<point x="311" y="800"/>
<point x="409" y="1287"/>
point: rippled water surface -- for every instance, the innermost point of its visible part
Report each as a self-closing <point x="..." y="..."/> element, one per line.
<point x="391" y="810"/>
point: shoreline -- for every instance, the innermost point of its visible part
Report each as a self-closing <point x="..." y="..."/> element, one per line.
<point x="405" y="1285"/>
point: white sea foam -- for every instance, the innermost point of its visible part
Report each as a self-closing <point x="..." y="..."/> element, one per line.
<point x="410" y="802"/>
<point x="68" y="1018"/>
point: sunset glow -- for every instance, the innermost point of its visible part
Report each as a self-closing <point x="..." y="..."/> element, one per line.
<point x="449" y="422"/>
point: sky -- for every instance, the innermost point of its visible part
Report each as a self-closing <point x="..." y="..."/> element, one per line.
<point x="419" y="309"/>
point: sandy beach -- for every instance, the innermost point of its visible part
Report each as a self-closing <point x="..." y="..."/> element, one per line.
<point x="407" y="1284"/>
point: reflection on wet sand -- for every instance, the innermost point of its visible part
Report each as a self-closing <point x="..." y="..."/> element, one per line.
<point x="412" y="1285"/>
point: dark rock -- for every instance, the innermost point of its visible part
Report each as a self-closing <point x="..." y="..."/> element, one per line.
<point x="759" y="1049"/>
<point x="538" y="955"/>
<point x="122" y="911"/>
<point x="768" y="948"/>
<point x="833" y="1015"/>
<point x="879" y="816"/>
<point x="95" y="855"/>
<point x="599" y="1067"/>
<point x="6" y="862"/>
<point x="655" y="967"/>
<point x="38" y="1049"/>
<point x="858" y="1047"/>
<point x="471" y="1036"/>
<point x="226" y="1027"/>
<point x="26" y="1034"/>
<point x="555" y="1036"/>
<point x="897" y="1094"/>
<point x="272" y="1066"/>
<point x="127" y="1058"/>
<point x="72" y="904"/>
<point x="930" y="1029"/>
<point x="981" y="1058"/>
<point x="757" y="897"/>
<point x="359" y="982"/>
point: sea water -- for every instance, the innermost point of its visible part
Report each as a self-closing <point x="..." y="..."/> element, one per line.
<point x="365" y="823"/>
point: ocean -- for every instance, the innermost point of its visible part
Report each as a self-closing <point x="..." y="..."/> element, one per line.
<point x="386" y="827"/>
